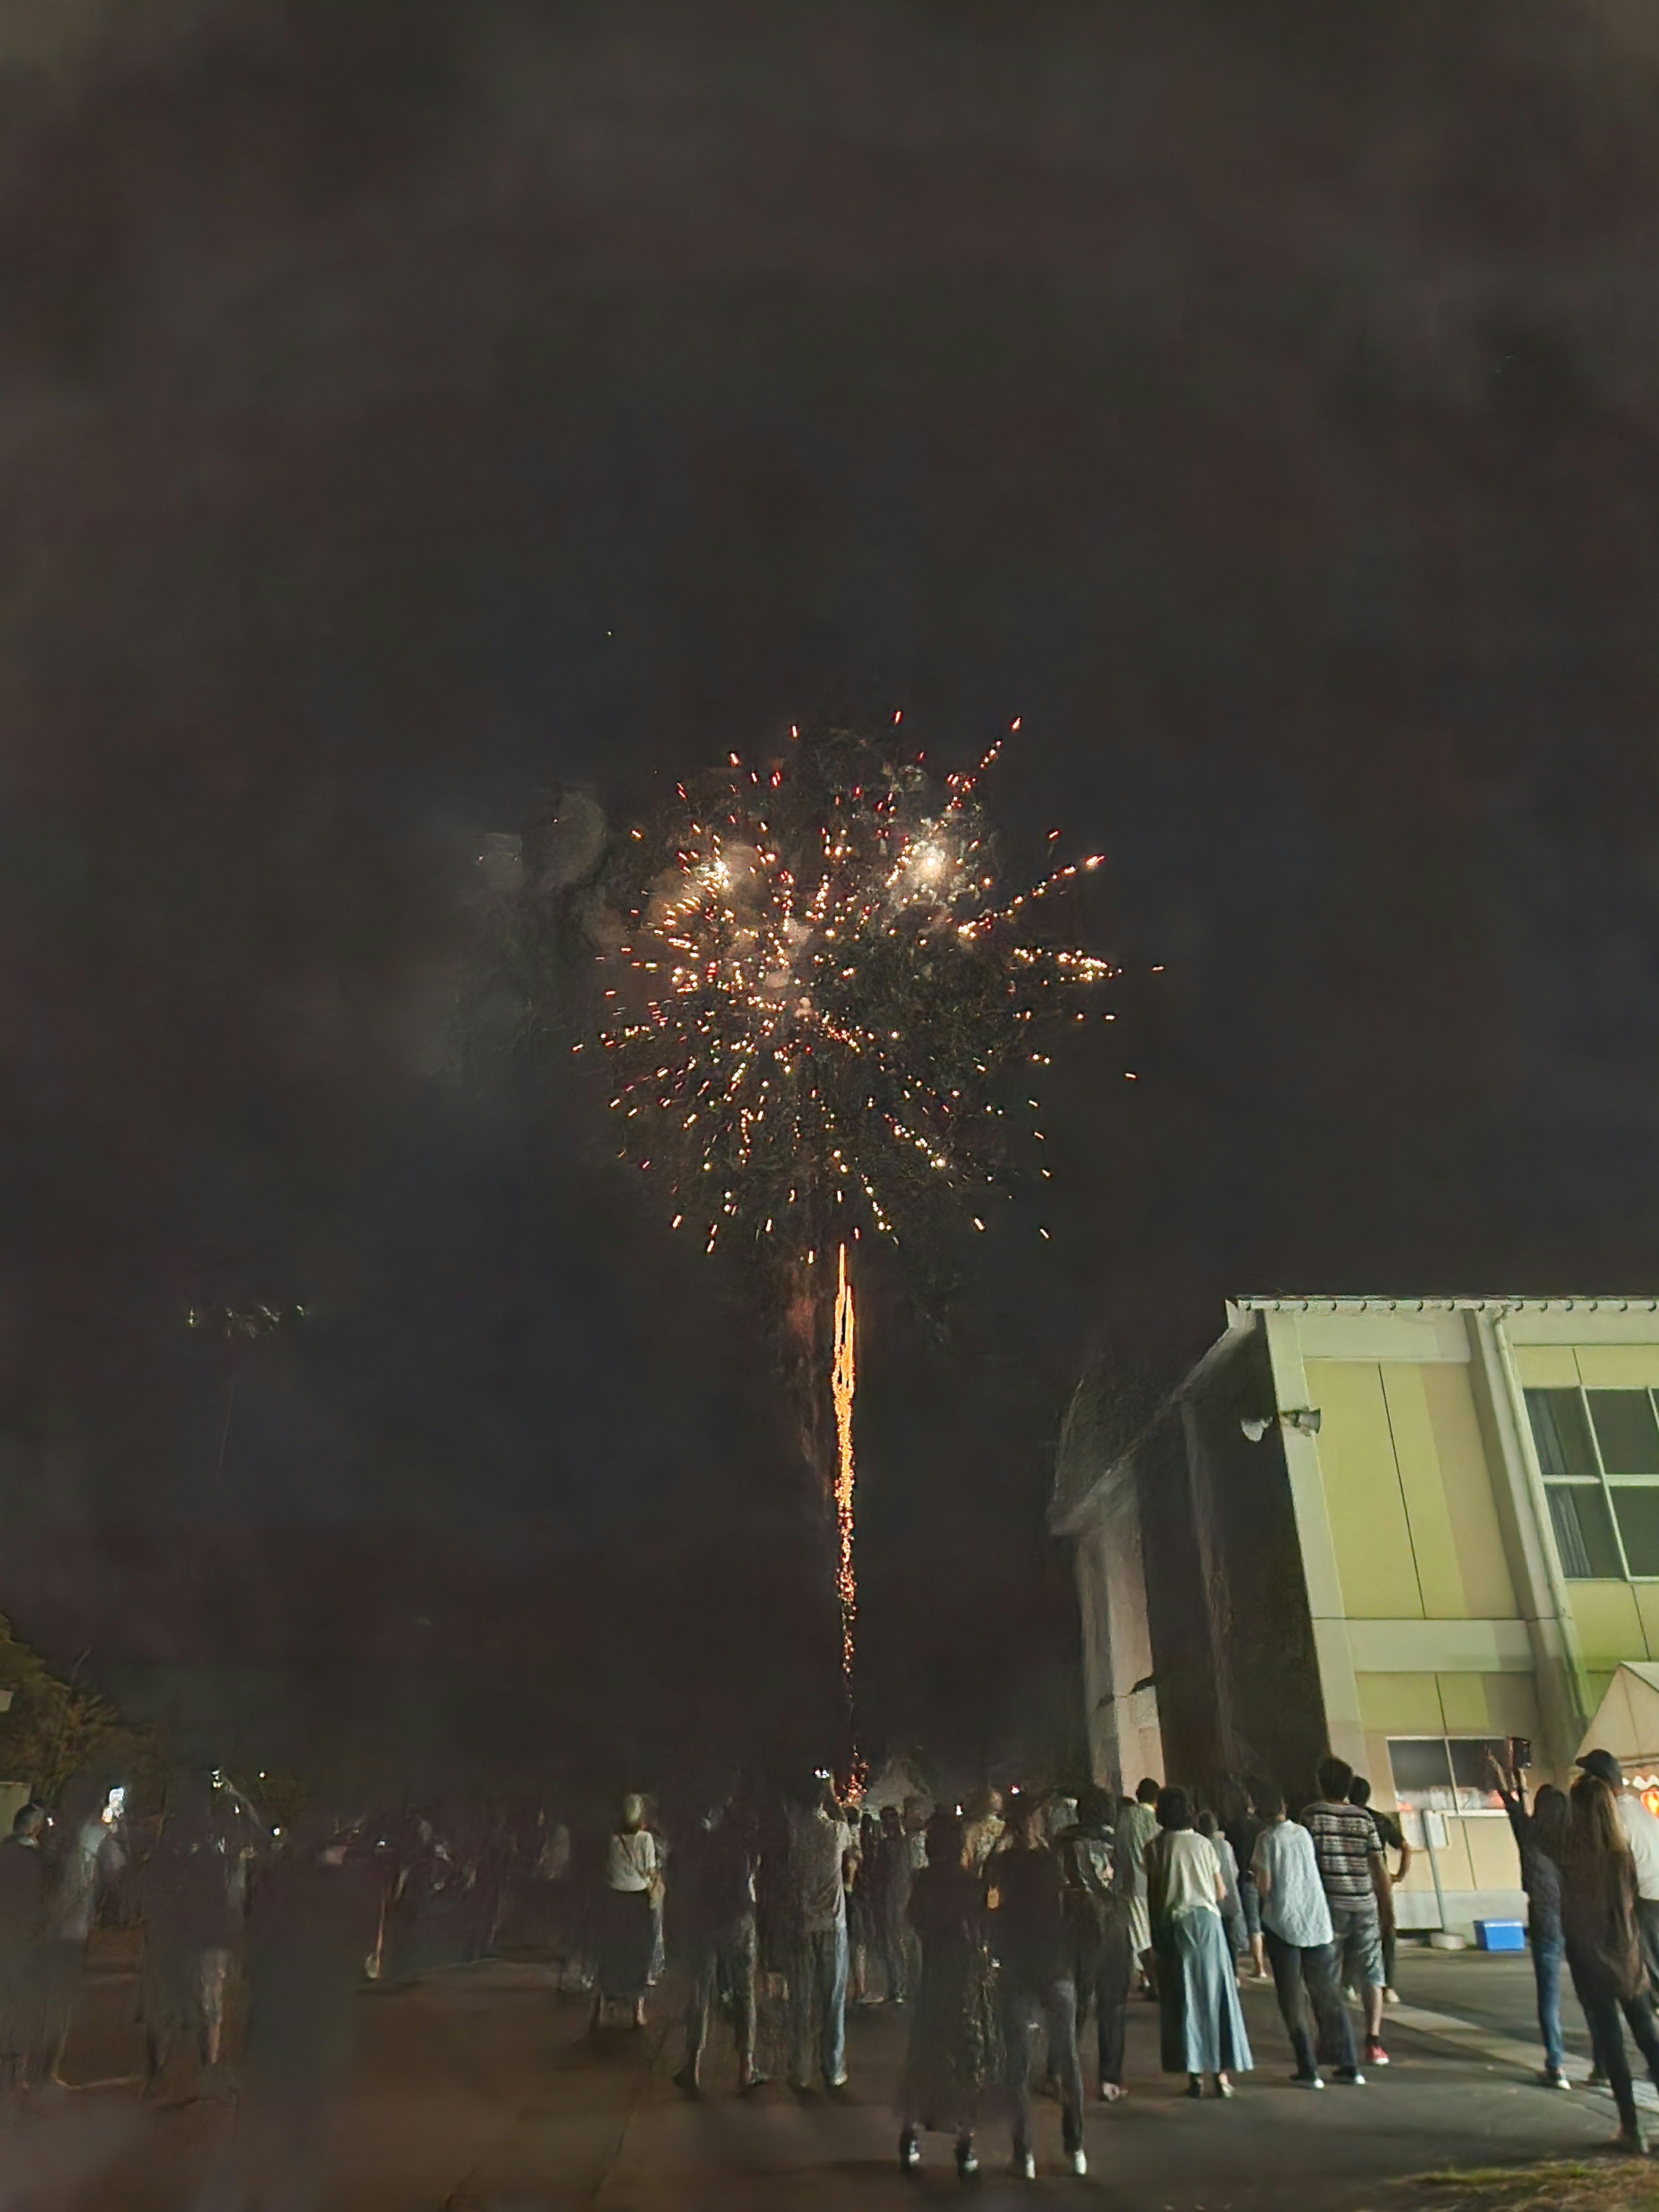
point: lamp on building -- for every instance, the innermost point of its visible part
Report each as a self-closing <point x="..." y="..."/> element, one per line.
<point x="1304" y="1419"/>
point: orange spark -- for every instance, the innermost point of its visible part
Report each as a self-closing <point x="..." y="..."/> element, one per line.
<point x="843" y="1381"/>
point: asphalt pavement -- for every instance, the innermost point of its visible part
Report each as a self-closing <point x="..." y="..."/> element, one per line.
<point x="480" y="2091"/>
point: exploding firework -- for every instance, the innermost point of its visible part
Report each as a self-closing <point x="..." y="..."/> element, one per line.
<point x="820" y="981"/>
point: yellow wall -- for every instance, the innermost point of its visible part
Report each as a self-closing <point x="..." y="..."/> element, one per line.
<point x="1413" y="1517"/>
<point x="1609" y="1623"/>
<point x="1597" y="1366"/>
<point x="1441" y="1704"/>
<point x="1375" y="1563"/>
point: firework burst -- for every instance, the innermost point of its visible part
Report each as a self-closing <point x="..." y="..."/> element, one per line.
<point x="822" y="979"/>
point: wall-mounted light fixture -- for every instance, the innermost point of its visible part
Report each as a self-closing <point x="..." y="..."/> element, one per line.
<point x="1304" y="1419"/>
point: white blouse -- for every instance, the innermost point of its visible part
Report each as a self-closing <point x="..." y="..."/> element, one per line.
<point x="1189" y="1867"/>
<point x="633" y="1862"/>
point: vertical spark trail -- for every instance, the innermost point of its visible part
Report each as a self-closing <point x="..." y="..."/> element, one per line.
<point x="843" y="1381"/>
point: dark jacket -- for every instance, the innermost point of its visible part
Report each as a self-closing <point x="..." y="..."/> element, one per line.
<point x="1031" y="1929"/>
<point x="1598" y="1917"/>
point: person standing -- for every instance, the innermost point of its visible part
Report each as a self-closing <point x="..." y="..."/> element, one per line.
<point x="954" y="2029"/>
<point x="191" y="1932"/>
<point x="1603" y="1943"/>
<point x="1201" y="2026"/>
<point x="1540" y="1837"/>
<point x="822" y="1852"/>
<point x="627" y="1914"/>
<point x="712" y="1923"/>
<point x="1641" y="1834"/>
<point x="1243" y="1825"/>
<point x="22" y="1898"/>
<point x="1031" y="1939"/>
<point x="313" y="1915"/>
<point x="1350" y="1867"/>
<point x="885" y="1882"/>
<point x="1296" y="1932"/>
<point x="985" y="1828"/>
<point x="860" y="1938"/>
<point x="1105" y="1952"/>
<point x="85" y="1861"/>
<point x="1391" y="1837"/>
<point x="1232" y="1910"/>
<point x="1137" y="1825"/>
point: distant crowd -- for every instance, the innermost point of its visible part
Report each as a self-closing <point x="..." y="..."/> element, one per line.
<point x="1006" y="1929"/>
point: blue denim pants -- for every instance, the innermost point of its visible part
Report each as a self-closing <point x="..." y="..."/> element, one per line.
<point x="1548" y="1952"/>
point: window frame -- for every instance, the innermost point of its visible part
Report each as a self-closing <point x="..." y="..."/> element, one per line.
<point x="1608" y="1484"/>
<point x="1420" y="1800"/>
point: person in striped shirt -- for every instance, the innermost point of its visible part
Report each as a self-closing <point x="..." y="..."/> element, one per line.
<point x="1350" y="1858"/>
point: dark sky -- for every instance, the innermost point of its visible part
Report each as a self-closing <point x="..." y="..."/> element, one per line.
<point x="404" y="406"/>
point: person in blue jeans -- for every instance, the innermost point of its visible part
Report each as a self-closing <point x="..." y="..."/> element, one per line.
<point x="1541" y="1836"/>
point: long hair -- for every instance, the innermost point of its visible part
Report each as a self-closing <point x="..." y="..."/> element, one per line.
<point x="1551" y="1820"/>
<point x="1595" y="1829"/>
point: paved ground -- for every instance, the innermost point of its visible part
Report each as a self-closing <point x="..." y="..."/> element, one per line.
<point x="479" y="2091"/>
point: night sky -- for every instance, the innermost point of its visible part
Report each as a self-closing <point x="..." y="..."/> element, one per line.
<point x="404" y="408"/>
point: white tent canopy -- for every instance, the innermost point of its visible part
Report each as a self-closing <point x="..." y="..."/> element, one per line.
<point x="1626" y="1721"/>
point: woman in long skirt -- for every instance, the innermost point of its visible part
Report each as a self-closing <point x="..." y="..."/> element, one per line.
<point x="951" y="2054"/>
<point x="627" y="1932"/>
<point x="1201" y="2025"/>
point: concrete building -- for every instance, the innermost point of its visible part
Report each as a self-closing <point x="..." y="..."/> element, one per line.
<point x="1406" y="1527"/>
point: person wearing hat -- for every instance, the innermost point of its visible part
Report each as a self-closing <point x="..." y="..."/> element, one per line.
<point x="1642" y="1834"/>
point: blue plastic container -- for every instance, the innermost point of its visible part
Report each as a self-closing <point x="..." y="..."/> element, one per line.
<point x="1500" y="1935"/>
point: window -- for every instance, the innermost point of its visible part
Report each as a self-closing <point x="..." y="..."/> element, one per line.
<point x="1598" y="1451"/>
<point x="1446" y="1774"/>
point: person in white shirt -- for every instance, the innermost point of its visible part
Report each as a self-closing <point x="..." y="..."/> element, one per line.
<point x="1641" y="1834"/>
<point x="1202" y="2026"/>
<point x="822" y="1850"/>
<point x="1137" y="1824"/>
<point x="628" y="1925"/>
<point x="1295" y="1928"/>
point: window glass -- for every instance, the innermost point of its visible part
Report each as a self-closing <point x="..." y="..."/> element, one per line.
<point x="1637" y="1507"/>
<point x="1422" y="1770"/>
<point x="1584" y="1531"/>
<point x="1625" y="1429"/>
<point x="1565" y="1453"/>
<point x="1440" y="1775"/>
<point x="1472" y="1773"/>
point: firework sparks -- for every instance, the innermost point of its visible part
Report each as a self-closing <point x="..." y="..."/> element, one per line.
<point x="820" y="981"/>
<point x="843" y="1382"/>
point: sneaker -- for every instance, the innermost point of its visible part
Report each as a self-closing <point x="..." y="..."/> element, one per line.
<point x="1077" y="2162"/>
<point x="1375" y="2054"/>
<point x="1633" y="2140"/>
<point x="1390" y="1996"/>
<point x="1024" y="2165"/>
<point x="1553" y="2078"/>
<point x="1307" y="2081"/>
<point x="910" y="2153"/>
<point x="1350" y="2077"/>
